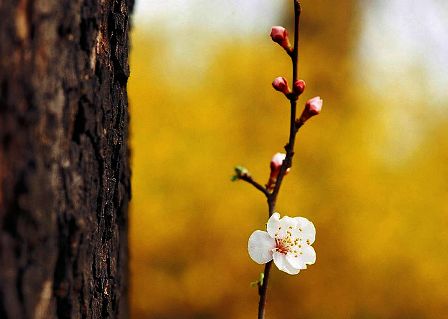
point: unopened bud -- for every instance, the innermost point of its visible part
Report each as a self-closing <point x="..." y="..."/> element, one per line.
<point x="280" y="36"/>
<point x="276" y="165"/>
<point x="240" y="172"/>
<point x="312" y="107"/>
<point x="281" y="85"/>
<point x="299" y="87"/>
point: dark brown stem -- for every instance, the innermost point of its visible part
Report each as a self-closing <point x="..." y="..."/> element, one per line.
<point x="258" y="186"/>
<point x="289" y="148"/>
<point x="263" y="289"/>
<point x="293" y="127"/>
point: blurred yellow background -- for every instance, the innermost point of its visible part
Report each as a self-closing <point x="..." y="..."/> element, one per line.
<point x="370" y="171"/>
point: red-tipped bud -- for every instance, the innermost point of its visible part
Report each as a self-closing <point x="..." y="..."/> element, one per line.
<point x="281" y="85"/>
<point x="312" y="107"/>
<point x="280" y="36"/>
<point x="276" y="165"/>
<point x="277" y="162"/>
<point x="299" y="87"/>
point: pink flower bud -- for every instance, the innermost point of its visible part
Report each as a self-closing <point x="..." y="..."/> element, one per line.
<point x="299" y="87"/>
<point x="276" y="165"/>
<point x="281" y="85"/>
<point x="280" y="36"/>
<point x="312" y="107"/>
<point x="276" y="162"/>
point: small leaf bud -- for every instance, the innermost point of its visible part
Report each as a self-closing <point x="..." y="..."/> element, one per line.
<point x="240" y="172"/>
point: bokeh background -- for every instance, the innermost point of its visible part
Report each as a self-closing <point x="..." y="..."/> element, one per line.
<point x="370" y="171"/>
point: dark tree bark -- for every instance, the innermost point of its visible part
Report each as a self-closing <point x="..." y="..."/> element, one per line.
<point x="64" y="171"/>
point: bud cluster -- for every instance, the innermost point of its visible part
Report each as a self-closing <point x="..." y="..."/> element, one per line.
<point x="313" y="106"/>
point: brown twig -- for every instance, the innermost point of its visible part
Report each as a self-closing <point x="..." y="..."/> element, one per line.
<point x="258" y="186"/>
<point x="289" y="148"/>
<point x="263" y="289"/>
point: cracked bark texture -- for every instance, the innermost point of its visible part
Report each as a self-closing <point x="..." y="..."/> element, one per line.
<point x="64" y="170"/>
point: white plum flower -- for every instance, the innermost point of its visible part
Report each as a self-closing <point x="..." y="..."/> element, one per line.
<point x="287" y="241"/>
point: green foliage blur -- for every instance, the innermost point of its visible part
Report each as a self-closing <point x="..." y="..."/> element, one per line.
<point x="374" y="185"/>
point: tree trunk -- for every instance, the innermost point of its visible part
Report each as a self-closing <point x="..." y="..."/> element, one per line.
<point x="64" y="170"/>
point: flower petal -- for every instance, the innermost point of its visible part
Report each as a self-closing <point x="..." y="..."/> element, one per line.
<point x="260" y="246"/>
<point x="291" y="270"/>
<point x="308" y="231"/>
<point x="283" y="264"/>
<point x="288" y="222"/>
<point x="273" y="224"/>
<point x="308" y="255"/>
<point x="296" y="262"/>
<point x="277" y="227"/>
<point x="286" y="227"/>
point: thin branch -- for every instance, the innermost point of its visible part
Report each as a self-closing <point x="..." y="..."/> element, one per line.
<point x="293" y="129"/>
<point x="263" y="289"/>
<point x="258" y="186"/>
